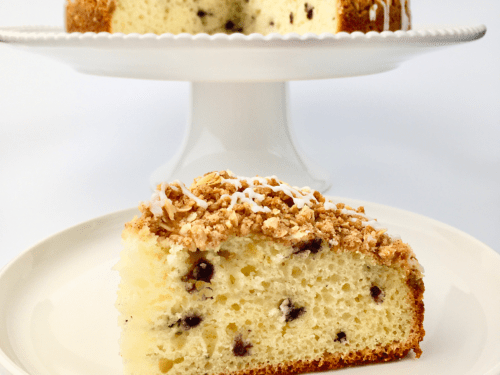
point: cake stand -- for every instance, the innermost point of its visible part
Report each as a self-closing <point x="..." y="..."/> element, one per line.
<point x="239" y="118"/>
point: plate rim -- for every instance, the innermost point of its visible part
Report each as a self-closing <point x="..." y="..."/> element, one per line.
<point x="7" y="363"/>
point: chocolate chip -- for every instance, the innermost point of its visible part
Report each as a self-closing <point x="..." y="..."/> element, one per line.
<point x="341" y="337"/>
<point x="295" y="313"/>
<point x="377" y="294"/>
<point x="309" y="10"/>
<point x="314" y="246"/>
<point x="191" y="321"/>
<point x="271" y="23"/>
<point x="375" y="291"/>
<point x="231" y="26"/>
<point x="201" y="13"/>
<point x="241" y="348"/>
<point x="187" y="322"/>
<point x="291" y="311"/>
<point x="291" y="17"/>
<point x="202" y="270"/>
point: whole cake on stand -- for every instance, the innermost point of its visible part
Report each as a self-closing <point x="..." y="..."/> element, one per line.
<point x="244" y="16"/>
<point x="242" y="124"/>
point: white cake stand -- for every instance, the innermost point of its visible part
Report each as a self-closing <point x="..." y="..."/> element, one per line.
<point x="239" y="116"/>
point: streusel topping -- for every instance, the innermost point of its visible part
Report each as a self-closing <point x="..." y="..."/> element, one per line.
<point x="219" y="205"/>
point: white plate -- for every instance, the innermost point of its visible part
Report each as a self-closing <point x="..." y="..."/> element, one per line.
<point x="57" y="299"/>
<point x="236" y="57"/>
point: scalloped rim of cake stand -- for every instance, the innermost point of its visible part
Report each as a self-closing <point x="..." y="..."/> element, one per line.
<point x="47" y="34"/>
<point x="236" y="57"/>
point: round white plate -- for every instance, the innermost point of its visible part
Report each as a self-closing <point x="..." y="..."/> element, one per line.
<point x="57" y="314"/>
<point x="236" y="57"/>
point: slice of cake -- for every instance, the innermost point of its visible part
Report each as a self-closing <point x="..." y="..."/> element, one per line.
<point x="252" y="276"/>
<point x="230" y="16"/>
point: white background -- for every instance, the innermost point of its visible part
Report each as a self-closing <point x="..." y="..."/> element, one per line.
<point x="424" y="138"/>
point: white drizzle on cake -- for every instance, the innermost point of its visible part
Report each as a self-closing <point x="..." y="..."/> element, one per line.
<point x="185" y="190"/>
<point x="301" y="197"/>
<point x="373" y="12"/>
<point x="386" y="14"/>
<point x="405" y="20"/>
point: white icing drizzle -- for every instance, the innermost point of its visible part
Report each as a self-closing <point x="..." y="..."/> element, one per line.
<point x="374" y="224"/>
<point x="405" y="20"/>
<point x="157" y="201"/>
<point x="300" y="197"/>
<point x="395" y="237"/>
<point x="329" y="205"/>
<point x="249" y="196"/>
<point x="386" y="14"/>
<point x="186" y="191"/>
<point x="369" y="222"/>
<point x="351" y="212"/>
<point x="234" y="181"/>
<point x="373" y="12"/>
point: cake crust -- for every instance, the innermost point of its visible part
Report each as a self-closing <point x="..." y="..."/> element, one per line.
<point x="331" y="362"/>
<point x="89" y="15"/>
<point x="355" y="16"/>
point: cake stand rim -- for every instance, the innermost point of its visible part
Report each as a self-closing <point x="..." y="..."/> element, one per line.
<point x="56" y="36"/>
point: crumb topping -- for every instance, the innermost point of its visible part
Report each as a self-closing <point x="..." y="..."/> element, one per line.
<point x="219" y="205"/>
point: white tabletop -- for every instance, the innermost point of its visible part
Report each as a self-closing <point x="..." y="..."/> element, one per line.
<point x="424" y="138"/>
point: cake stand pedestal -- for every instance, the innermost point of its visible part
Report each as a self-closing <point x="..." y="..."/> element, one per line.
<point x="239" y="116"/>
<point x="243" y="127"/>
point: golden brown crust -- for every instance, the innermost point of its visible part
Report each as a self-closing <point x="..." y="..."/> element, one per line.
<point x="330" y="361"/>
<point x="354" y="15"/>
<point x="416" y="285"/>
<point x="89" y="15"/>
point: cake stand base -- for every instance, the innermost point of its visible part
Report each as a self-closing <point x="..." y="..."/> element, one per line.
<point x="245" y="128"/>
